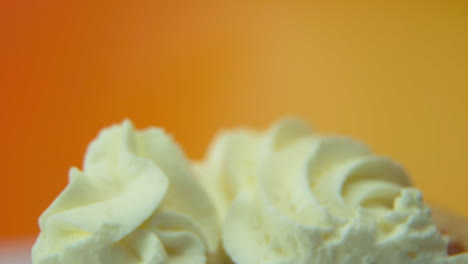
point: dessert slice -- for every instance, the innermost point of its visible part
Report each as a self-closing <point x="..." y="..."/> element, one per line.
<point x="454" y="227"/>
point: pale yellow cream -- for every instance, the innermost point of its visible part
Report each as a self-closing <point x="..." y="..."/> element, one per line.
<point x="134" y="202"/>
<point x="291" y="196"/>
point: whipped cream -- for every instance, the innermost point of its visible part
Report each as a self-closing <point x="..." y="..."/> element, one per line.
<point x="291" y="196"/>
<point x="134" y="202"/>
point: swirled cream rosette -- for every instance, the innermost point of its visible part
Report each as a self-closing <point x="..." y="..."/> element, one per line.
<point x="292" y="196"/>
<point x="134" y="202"/>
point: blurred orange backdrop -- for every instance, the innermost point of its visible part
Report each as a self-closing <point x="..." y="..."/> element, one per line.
<point x="392" y="75"/>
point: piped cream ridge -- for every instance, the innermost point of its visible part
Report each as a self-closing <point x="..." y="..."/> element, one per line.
<point x="136" y="201"/>
<point x="289" y="195"/>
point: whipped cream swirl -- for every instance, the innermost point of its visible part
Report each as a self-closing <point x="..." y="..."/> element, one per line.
<point x="134" y="202"/>
<point x="291" y="196"/>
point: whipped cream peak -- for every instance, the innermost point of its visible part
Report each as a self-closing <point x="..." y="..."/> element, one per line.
<point x="135" y="201"/>
<point x="288" y="195"/>
<point x="284" y="195"/>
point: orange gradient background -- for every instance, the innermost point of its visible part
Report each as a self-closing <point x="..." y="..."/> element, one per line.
<point x="393" y="75"/>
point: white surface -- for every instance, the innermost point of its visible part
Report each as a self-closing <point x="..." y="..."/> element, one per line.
<point x="16" y="251"/>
